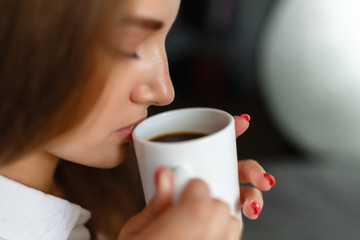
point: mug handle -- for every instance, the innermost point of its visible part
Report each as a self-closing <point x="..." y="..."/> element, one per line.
<point x="182" y="175"/>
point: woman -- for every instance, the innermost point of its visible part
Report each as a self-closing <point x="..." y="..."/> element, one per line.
<point x="75" y="78"/>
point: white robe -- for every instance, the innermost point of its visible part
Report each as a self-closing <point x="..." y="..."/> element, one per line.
<point x="29" y="214"/>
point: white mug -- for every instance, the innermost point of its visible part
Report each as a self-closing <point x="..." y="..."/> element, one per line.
<point x="212" y="158"/>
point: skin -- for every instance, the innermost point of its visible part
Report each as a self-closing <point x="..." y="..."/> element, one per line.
<point x="137" y="77"/>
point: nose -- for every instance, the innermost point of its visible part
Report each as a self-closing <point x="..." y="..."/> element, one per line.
<point x="155" y="86"/>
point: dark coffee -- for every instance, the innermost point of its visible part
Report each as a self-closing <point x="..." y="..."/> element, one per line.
<point x="177" y="137"/>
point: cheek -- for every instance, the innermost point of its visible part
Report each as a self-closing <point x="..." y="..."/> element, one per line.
<point x="93" y="142"/>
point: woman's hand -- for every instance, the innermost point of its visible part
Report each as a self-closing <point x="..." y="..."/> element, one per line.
<point x="197" y="215"/>
<point x="251" y="172"/>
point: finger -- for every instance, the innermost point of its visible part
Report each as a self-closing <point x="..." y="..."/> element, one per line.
<point x="235" y="229"/>
<point x="161" y="201"/>
<point x="195" y="201"/>
<point x="219" y="220"/>
<point x="189" y="216"/>
<point x="164" y="181"/>
<point x="195" y="190"/>
<point x="250" y="171"/>
<point x="252" y="201"/>
<point x="241" y="123"/>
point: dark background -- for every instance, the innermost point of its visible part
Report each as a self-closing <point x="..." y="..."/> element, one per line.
<point x="212" y="51"/>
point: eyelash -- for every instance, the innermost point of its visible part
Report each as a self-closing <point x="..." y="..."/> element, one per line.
<point x="134" y="55"/>
<point x="126" y="54"/>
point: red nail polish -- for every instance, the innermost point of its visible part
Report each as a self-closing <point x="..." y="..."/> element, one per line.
<point x="270" y="178"/>
<point x="246" y="116"/>
<point x="157" y="175"/>
<point x="256" y="207"/>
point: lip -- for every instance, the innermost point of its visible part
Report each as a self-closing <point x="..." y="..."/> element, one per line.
<point x="126" y="133"/>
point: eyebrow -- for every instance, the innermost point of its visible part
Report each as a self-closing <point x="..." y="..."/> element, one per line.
<point x="142" y="22"/>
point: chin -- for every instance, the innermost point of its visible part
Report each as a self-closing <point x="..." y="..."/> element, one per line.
<point x="114" y="160"/>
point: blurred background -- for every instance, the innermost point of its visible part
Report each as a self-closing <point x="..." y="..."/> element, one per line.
<point x="292" y="65"/>
<point x="212" y="52"/>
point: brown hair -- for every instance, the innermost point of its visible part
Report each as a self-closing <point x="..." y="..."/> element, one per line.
<point x="45" y="58"/>
<point x="47" y="63"/>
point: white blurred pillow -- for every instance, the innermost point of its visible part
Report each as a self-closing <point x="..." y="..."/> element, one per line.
<point x="310" y="72"/>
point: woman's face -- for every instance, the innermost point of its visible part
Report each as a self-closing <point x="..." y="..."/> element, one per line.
<point x="138" y="77"/>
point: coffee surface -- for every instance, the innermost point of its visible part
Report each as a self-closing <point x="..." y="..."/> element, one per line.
<point x="177" y="137"/>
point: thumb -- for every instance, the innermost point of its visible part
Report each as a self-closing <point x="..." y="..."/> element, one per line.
<point x="161" y="201"/>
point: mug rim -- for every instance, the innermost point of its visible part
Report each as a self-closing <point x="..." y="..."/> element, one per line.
<point x="140" y="139"/>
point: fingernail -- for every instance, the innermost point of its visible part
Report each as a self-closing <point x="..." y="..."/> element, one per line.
<point x="162" y="179"/>
<point x="271" y="179"/>
<point x="246" y="116"/>
<point x="256" y="207"/>
<point x="157" y="175"/>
